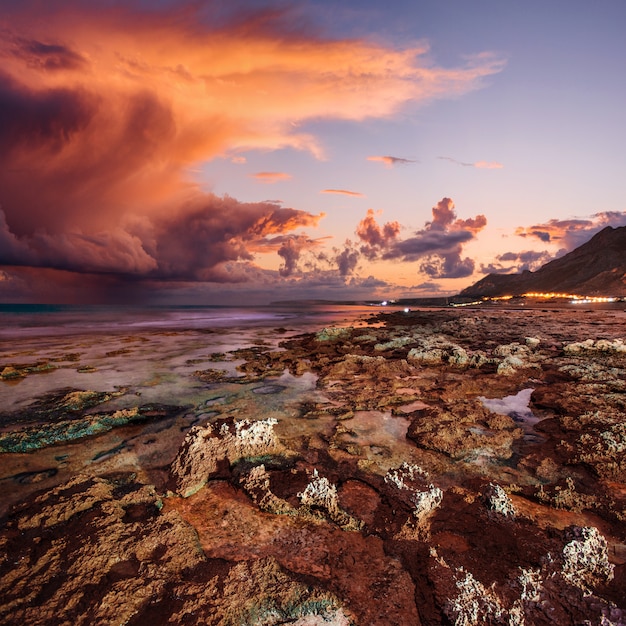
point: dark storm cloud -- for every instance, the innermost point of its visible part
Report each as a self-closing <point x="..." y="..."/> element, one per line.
<point x="190" y="244"/>
<point x="34" y="119"/>
<point x="43" y="56"/>
<point x="428" y="242"/>
<point x="448" y="265"/>
<point x="107" y="106"/>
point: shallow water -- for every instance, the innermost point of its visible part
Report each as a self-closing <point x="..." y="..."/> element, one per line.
<point x="149" y="357"/>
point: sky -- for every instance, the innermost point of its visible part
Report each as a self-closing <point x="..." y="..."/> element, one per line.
<point x="244" y="152"/>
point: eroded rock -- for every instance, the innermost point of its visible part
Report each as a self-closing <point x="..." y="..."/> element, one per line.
<point x="206" y="447"/>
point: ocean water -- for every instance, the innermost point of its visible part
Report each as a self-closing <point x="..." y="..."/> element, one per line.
<point x="144" y="357"/>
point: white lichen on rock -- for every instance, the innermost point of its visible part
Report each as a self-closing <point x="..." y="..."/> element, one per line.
<point x="205" y="447"/>
<point x="516" y="356"/>
<point x="530" y="581"/>
<point x="510" y="365"/>
<point x="425" y="500"/>
<point x="333" y="333"/>
<point x="437" y="351"/>
<point x="586" y="559"/>
<point x="474" y="603"/>
<point x="498" y="501"/>
<point x="405" y="472"/>
<point x="392" y="344"/>
<point x="604" y="447"/>
<point x="532" y="342"/>
<point x="321" y="494"/>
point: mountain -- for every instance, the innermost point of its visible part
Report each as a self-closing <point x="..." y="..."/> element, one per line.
<point x="598" y="267"/>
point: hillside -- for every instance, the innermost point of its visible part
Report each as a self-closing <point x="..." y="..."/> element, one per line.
<point x="598" y="267"/>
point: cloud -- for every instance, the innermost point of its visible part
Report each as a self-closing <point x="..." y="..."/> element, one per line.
<point x="390" y="161"/>
<point x="517" y="262"/>
<point x="193" y="244"/>
<point x="271" y="177"/>
<point x="485" y="165"/>
<point x="239" y="160"/>
<point x="570" y="234"/>
<point x="112" y="106"/>
<point x="488" y="165"/>
<point x="347" y="261"/>
<point x="438" y="245"/>
<point x="376" y="238"/>
<point x="344" y="192"/>
<point x="427" y="287"/>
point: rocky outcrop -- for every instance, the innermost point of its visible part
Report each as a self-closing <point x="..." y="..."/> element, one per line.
<point x="464" y="430"/>
<point x="205" y="448"/>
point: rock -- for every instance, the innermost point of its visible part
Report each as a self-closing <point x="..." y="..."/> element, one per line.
<point x="498" y="501"/>
<point x="464" y="430"/>
<point x="36" y="437"/>
<point x="206" y="447"/>
<point x="333" y="334"/>
<point x="586" y="559"/>
<point x="321" y="494"/>
<point x="590" y="346"/>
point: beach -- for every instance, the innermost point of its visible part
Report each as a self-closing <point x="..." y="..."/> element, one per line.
<point x="313" y="465"/>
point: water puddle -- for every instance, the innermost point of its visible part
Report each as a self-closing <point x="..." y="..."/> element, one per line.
<point x="517" y="407"/>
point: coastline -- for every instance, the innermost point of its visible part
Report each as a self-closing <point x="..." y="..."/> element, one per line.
<point x="380" y="468"/>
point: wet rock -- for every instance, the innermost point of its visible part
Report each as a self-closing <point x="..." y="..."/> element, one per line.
<point x="462" y="521"/>
<point x="15" y="371"/>
<point x="464" y="430"/>
<point x="36" y="437"/>
<point x="104" y="551"/>
<point x="59" y="405"/>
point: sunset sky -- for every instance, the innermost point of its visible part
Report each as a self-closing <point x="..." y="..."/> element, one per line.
<point x="245" y="152"/>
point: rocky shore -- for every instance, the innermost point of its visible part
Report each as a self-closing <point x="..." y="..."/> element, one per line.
<point x="448" y="467"/>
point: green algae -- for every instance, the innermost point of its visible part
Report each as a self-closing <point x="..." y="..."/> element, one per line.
<point x="13" y="372"/>
<point x="36" y="437"/>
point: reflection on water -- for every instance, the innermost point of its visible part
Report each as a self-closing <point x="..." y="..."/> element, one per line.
<point x="518" y="408"/>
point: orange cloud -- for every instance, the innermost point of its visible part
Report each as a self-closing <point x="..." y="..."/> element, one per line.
<point x="390" y="161"/>
<point x="488" y="165"/>
<point x="344" y="192"/>
<point x="111" y="106"/>
<point x="271" y="177"/>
